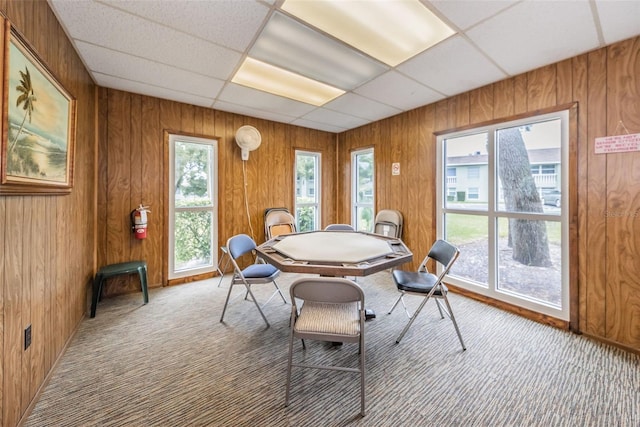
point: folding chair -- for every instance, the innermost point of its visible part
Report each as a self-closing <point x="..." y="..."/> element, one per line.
<point x="388" y="223"/>
<point x="428" y="285"/>
<point x="327" y="309"/>
<point x="278" y="221"/>
<point x="257" y="273"/>
<point x="339" y="227"/>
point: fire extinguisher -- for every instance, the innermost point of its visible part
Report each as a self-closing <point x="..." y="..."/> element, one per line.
<point x="139" y="221"/>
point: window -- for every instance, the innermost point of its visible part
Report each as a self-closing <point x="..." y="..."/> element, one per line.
<point x="547" y="169"/>
<point x="192" y="205"/>
<point x="543" y="169"/>
<point x="307" y="203"/>
<point x="473" y="172"/>
<point x="363" y="189"/>
<point x="473" y="193"/>
<point x="513" y="238"/>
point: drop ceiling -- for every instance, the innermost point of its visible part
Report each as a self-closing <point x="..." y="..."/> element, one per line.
<point x="188" y="51"/>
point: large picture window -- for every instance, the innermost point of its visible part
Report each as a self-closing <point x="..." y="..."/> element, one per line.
<point x="307" y="185"/>
<point x="363" y="189"/>
<point x="508" y="215"/>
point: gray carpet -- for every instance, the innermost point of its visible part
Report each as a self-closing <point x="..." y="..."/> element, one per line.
<point x="172" y="363"/>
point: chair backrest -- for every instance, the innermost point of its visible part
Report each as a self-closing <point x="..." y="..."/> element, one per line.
<point x="239" y="245"/>
<point x="444" y="253"/>
<point x="339" y="227"/>
<point x="388" y="222"/>
<point x="327" y="289"/>
<point x="277" y="222"/>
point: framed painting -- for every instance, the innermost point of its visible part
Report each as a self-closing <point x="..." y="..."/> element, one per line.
<point x="39" y="123"/>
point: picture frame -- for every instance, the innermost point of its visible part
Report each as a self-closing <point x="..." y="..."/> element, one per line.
<point x="38" y="122"/>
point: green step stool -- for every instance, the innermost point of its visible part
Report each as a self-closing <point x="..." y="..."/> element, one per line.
<point x="112" y="270"/>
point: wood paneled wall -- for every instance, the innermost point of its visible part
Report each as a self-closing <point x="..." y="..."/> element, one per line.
<point x="132" y="158"/>
<point x="605" y="189"/>
<point x="48" y="242"/>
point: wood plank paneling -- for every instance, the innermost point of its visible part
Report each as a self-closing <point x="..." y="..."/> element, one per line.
<point x="48" y="241"/>
<point x="564" y="82"/>
<point x="481" y="104"/>
<point x="541" y="88"/>
<point x="119" y="164"/>
<point x="12" y="357"/>
<point x="596" y="203"/>
<point x="504" y="99"/>
<point x="580" y="94"/>
<point x="622" y="291"/>
<point x="38" y="255"/>
<point x="520" y="91"/>
<point x="25" y="303"/>
<point x="152" y="190"/>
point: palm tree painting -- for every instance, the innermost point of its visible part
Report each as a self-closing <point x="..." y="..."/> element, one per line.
<point x="39" y="136"/>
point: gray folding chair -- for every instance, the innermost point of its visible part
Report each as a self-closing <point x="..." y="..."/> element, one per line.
<point x="388" y="222"/>
<point x="428" y="285"/>
<point x="339" y="227"/>
<point x="327" y="309"/>
<point x="257" y="273"/>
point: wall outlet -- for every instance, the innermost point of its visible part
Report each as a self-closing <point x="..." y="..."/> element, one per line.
<point x="27" y="337"/>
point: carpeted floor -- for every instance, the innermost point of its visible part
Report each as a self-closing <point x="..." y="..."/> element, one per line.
<point x="172" y="363"/>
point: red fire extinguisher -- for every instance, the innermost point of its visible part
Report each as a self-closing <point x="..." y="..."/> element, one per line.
<point x="139" y="221"/>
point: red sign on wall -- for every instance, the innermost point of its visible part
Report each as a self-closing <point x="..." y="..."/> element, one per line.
<point x="618" y="143"/>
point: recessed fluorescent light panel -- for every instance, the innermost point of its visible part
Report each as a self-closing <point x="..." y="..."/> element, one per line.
<point x="391" y="31"/>
<point x="268" y="78"/>
<point x="287" y="43"/>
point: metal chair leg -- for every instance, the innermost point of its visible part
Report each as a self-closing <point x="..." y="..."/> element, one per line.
<point x="225" y="256"/>
<point x="226" y="302"/>
<point x="455" y="324"/>
<point x="413" y="317"/>
<point x="396" y="303"/>
<point x="289" y="362"/>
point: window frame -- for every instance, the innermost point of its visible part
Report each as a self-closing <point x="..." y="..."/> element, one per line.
<point x="355" y="204"/>
<point x="172" y="274"/>
<point x="317" y="181"/>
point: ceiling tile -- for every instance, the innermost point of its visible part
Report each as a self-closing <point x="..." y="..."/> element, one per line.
<point x="396" y="90"/>
<point x="359" y="106"/>
<point x="465" y="14"/>
<point x="285" y="42"/>
<point x="252" y="112"/>
<point x="259" y="100"/>
<point x="536" y="33"/>
<point x="155" y="91"/>
<point x="144" y="71"/>
<point x="319" y="126"/>
<point x="124" y="32"/>
<point x="346" y="121"/>
<point x="229" y="23"/>
<point x="453" y="66"/>
<point x="619" y="20"/>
